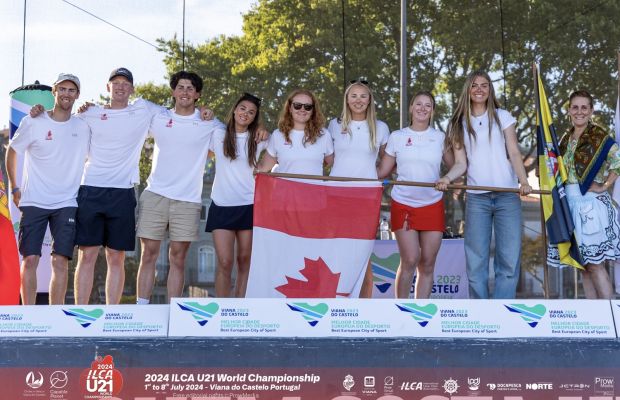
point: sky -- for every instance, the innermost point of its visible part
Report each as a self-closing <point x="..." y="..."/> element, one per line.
<point x="61" y="38"/>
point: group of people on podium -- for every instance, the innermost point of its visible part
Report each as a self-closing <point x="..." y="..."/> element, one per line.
<point x="80" y="170"/>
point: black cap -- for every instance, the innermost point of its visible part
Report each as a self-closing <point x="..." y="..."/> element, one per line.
<point x="122" y="72"/>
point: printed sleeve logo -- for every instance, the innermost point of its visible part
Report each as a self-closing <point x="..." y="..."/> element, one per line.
<point x="531" y="315"/>
<point x="421" y="314"/>
<point x="202" y="313"/>
<point x="84" y="317"/>
<point x="312" y="314"/>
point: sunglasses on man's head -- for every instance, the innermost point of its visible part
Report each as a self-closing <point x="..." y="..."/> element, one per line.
<point x="307" y="107"/>
<point x="255" y="98"/>
<point x="363" y="82"/>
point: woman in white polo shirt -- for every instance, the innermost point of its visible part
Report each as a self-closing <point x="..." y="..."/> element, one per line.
<point x="300" y="145"/>
<point x="417" y="213"/>
<point x="358" y="138"/>
<point x="230" y="216"/>
<point x="493" y="159"/>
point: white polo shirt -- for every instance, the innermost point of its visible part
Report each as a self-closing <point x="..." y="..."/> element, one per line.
<point x="487" y="158"/>
<point x="180" y="154"/>
<point x="116" y="144"/>
<point x="296" y="158"/>
<point x="353" y="156"/>
<point x="54" y="155"/>
<point x="418" y="159"/>
<point x="234" y="179"/>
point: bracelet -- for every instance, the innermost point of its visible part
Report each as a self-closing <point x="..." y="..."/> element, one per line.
<point x="15" y="189"/>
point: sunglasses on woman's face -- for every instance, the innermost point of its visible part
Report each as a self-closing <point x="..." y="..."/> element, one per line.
<point x="307" y="107"/>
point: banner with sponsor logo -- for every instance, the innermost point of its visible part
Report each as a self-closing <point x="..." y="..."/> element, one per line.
<point x="84" y="321"/>
<point x="450" y="278"/>
<point x="108" y="377"/>
<point x="391" y="318"/>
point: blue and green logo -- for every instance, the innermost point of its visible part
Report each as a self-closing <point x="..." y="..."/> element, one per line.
<point x="312" y="314"/>
<point x="384" y="271"/>
<point x="202" y="313"/>
<point x="531" y="315"/>
<point x="421" y="314"/>
<point x="84" y="317"/>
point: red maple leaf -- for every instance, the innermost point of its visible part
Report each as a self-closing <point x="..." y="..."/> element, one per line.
<point x="321" y="282"/>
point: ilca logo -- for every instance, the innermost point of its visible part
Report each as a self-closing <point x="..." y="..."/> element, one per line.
<point x="84" y="317"/>
<point x="202" y="313"/>
<point x="312" y="314"/>
<point x="421" y="314"/>
<point x="531" y="315"/>
<point x="33" y="380"/>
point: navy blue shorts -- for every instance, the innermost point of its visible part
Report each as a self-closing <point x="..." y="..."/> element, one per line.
<point x="33" y="225"/>
<point x="106" y="217"/>
<point x="234" y="218"/>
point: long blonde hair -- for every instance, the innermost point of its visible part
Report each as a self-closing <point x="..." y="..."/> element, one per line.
<point x="462" y="112"/>
<point x="371" y="114"/>
<point x="312" y="130"/>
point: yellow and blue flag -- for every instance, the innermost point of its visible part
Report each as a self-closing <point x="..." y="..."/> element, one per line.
<point x="553" y="176"/>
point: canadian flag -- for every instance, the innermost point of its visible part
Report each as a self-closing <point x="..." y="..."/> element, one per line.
<point x="312" y="239"/>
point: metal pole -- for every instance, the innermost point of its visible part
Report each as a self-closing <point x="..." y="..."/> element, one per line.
<point x="24" y="44"/>
<point x="344" y="51"/>
<point x="183" y="62"/>
<point x="403" y="63"/>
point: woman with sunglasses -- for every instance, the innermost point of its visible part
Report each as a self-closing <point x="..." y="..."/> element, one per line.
<point x="236" y="150"/>
<point x="358" y="138"/>
<point x="417" y="213"/>
<point x="493" y="159"/>
<point x="300" y="145"/>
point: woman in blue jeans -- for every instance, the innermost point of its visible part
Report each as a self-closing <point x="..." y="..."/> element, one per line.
<point x="493" y="159"/>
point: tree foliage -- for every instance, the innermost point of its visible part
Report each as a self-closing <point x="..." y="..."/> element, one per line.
<point x="287" y="44"/>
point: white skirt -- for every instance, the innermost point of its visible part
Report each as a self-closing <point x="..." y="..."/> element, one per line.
<point x="596" y="227"/>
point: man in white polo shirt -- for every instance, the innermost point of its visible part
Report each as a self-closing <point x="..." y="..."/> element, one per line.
<point x="172" y="199"/>
<point x="54" y="148"/>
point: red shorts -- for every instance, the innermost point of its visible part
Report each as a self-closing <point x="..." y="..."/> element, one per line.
<point x="427" y="218"/>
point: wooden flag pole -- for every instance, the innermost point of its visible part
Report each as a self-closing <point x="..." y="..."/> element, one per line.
<point x="393" y="182"/>
<point x="543" y="228"/>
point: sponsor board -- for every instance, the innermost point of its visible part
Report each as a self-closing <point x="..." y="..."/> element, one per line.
<point x="281" y="318"/>
<point x="84" y="321"/>
<point x="104" y="378"/>
<point x="615" y="308"/>
<point x="510" y="318"/>
<point x="391" y="318"/>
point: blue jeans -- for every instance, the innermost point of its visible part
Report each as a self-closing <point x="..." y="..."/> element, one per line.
<point x="500" y="212"/>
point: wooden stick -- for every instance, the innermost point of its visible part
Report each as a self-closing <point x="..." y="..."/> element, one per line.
<point x="393" y="182"/>
<point x="543" y="228"/>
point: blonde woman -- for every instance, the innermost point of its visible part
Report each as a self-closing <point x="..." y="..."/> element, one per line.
<point x="489" y="136"/>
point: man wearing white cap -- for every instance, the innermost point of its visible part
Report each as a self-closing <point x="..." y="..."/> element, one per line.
<point x="54" y="148"/>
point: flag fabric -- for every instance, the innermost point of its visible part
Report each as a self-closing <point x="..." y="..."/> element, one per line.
<point x="312" y="239"/>
<point x="9" y="259"/>
<point x="552" y="174"/>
